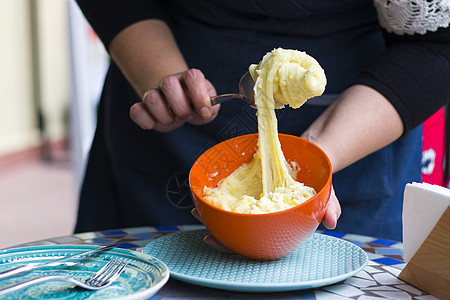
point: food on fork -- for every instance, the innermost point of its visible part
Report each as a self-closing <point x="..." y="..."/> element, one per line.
<point x="267" y="183"/>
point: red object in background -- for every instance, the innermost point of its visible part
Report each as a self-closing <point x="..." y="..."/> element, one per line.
<point x="433" y="149"/>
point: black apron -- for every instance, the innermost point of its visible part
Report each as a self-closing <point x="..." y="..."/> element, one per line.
<point x="140" y="178"/>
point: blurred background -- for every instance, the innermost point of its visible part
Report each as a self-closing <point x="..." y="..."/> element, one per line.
<point x="51" y="70"/>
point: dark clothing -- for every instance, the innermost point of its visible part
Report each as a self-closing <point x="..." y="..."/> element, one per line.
<point x="137" y="178"/>
<point x="343" y="36"/>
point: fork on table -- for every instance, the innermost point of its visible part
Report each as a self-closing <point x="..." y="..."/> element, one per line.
<point x="101" y="279"/>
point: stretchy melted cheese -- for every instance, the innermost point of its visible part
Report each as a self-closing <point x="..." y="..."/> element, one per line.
<point x="266" y="184"/>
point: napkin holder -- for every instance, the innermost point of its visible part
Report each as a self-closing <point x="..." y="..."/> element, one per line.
<point x="429" y="267"/>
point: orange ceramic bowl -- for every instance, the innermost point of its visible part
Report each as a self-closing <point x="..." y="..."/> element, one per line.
<point x="262" y="236"/>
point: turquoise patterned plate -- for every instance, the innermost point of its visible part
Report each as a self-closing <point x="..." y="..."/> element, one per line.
<point x="142" y="278"/>
<point x="320" y="261"/>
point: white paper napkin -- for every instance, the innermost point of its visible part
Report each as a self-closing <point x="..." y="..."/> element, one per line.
<point x="423" y="205"/>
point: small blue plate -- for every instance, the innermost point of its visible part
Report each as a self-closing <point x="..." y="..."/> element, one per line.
<point x="320" y="261"/>
<point x="142" y="278"/>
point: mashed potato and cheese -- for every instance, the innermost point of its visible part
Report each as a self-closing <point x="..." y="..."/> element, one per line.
<point x="267" y="184"/>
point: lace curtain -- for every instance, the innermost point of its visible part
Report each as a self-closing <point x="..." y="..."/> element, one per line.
<point x="413" y="16"/>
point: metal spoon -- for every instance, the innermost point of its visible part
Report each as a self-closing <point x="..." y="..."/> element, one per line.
<point x="245" y="92"/>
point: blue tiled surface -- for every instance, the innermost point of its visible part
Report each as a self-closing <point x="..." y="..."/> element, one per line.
<point x="390" y="251"/>
<point x="388" y="261"/>
<point x="127" y="245"/>
<point x="113" y="232"/>
<point x="382" y="242"/>
<point x="166" y="228"/>
<point x="334" y="233"/>
<point x="102" y="241"/>
<point x="381" y="253"/>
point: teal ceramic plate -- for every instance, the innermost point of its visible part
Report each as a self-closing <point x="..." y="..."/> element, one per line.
<point x="142" y="278"/>
<point x="320" y="261"/>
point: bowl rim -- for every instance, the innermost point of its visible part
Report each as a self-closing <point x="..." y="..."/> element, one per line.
<point x="328" y="182"/>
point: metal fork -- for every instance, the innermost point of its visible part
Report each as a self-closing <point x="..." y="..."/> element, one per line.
<point x="104" y="277"/>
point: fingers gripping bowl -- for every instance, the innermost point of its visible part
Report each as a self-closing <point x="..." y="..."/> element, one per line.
<point x="262" y="236"/>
